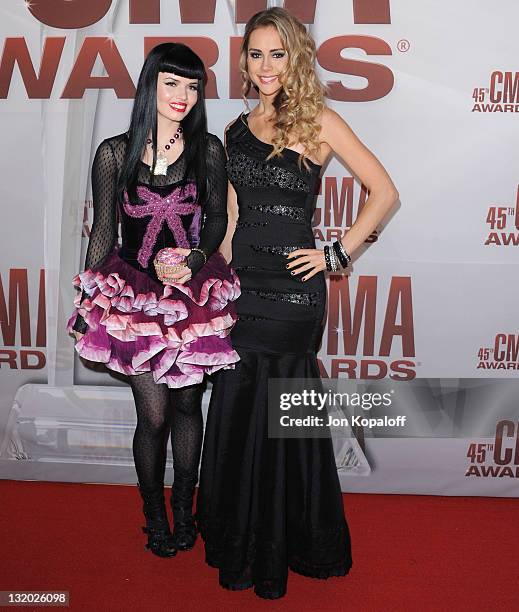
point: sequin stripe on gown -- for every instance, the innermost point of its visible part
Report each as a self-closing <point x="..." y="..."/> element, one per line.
<point x="269" y="504"/>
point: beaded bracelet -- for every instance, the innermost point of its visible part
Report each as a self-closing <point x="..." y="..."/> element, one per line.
<point x="327" y="258"/>
<point x="335" y="261"/>
<point x="336" y="264"/>
<point x="332" y="262"/>
<point x="341" y="254"/>
<point x="200" y="251"/>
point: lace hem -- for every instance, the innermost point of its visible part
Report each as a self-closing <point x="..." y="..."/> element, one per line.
<point x="318" y="553"/>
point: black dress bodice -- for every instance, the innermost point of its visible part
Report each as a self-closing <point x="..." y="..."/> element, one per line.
<point x="276" y="201"/>
<point x="135" y="228"/>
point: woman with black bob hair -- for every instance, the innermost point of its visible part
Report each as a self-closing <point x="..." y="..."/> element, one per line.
<point x="158" y="307"/>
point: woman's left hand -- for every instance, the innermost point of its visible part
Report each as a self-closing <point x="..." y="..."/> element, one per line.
<point x="178" y="277"/>
<point x="307" y="261"/>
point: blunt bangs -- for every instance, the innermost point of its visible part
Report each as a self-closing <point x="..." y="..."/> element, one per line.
<point x="184" y="63"/>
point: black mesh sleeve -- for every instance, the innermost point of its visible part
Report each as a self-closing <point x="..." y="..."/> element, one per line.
<point x="215" y="208"/>
<point x="104" y="227"/>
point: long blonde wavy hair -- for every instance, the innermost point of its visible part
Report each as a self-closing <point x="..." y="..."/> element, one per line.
<point x="301" y="98"/>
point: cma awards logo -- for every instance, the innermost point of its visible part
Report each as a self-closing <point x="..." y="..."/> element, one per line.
<point x="331" y="54"/>
<point x="14" y="309"/>
<point x="502" y="355"/>
<point x="498" y="459"/>
<point x="356" y="310"/>
<point x="501" y="95"/>
<point x="503" y="222"/>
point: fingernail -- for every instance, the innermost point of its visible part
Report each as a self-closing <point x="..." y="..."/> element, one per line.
<point x="287" y="265"/>
<point x="292" y="273"/>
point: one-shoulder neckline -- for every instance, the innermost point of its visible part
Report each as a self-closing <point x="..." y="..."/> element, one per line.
<point x="244" y="119"/>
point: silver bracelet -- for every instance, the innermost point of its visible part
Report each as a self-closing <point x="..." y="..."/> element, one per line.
<point x="334" y="261"/>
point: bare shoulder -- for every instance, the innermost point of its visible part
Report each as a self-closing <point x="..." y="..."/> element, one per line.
<point x="332" y="124"/>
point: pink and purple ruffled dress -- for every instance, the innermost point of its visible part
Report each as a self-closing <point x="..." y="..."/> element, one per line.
<point x="137" y="324"/>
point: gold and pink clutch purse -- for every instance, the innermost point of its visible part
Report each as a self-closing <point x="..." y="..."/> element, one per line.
<point x="168" y="262"/>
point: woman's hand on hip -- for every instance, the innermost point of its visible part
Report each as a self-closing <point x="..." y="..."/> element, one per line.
<point x="306" y="262"/>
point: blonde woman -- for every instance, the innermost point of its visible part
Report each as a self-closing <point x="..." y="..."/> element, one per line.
<point x="266" y="505"/>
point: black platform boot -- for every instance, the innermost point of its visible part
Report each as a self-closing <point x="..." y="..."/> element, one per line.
<point x="160" y="540"/>
<point x="184" y="527"/>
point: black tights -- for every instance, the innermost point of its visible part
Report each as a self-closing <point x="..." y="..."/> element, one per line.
<point x="161" y="411"/>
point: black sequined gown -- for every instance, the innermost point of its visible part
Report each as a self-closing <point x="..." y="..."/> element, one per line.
<point x="266" y="505"/>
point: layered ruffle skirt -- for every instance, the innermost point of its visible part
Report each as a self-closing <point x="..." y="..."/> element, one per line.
<point x="135" y="324"/>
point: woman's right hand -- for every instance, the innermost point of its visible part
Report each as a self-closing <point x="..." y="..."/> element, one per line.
<point x="78" y="335"/>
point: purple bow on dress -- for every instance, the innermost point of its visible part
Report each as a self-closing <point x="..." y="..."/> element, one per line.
<point x="164" y="209"/>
